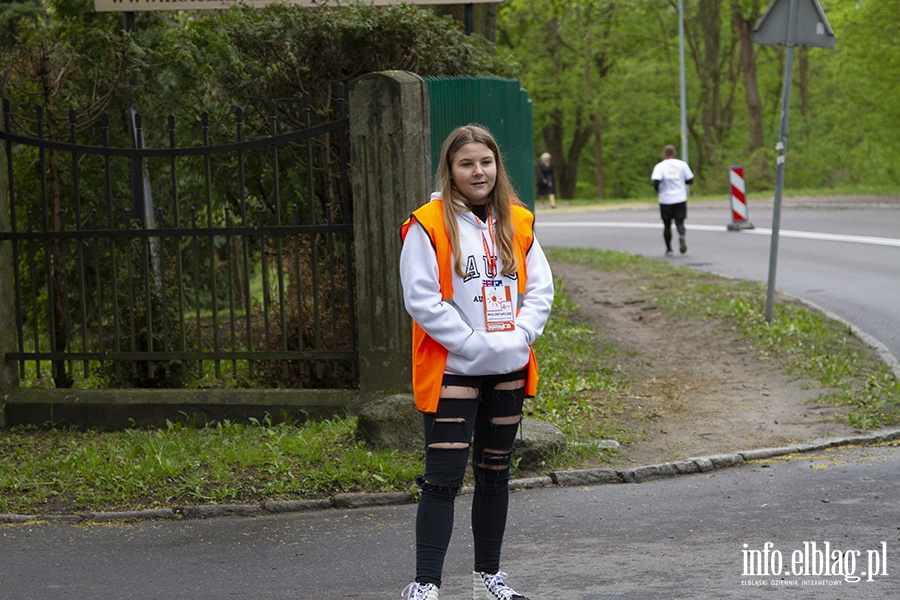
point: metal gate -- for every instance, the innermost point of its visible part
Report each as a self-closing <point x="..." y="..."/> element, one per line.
<point x="183" y="265"/>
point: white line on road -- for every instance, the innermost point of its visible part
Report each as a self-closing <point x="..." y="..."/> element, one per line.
<point x="806" y="235"/>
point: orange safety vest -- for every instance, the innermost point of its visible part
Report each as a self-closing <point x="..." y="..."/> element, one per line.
<point x="429" y="358"/>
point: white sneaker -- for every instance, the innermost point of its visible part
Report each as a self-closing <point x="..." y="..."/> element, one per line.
<point x="493" y="587"/>
<point x="420" y="591"/>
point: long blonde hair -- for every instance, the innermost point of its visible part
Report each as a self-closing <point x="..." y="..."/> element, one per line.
<point x="502" y="199"/>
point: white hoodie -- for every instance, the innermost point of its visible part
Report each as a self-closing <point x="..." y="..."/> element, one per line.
<point x="459" y="325"/>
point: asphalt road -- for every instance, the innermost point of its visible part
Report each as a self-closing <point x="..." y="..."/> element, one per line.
<point x="711" y="535"/>
<point x="843" y="256"/>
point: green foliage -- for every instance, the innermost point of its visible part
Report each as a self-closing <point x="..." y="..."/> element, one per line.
<point x="215" y="61"/>
<point x="180" y="64"/>
<point x="562" y="52"/>
<point x="16" y="16"/>
<point x="253" y="56"/>
<point x="622" y="63"/>
<point x="72" y="59"/>
<point x="585" y="63"/>
<point x="640" y="127"/>
<point x="853" y="131"/>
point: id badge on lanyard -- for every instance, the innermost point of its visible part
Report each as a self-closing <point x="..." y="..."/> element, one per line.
<point x="498" y="305"/>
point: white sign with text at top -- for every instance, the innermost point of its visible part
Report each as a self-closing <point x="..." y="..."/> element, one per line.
<point x="151" y="5"/>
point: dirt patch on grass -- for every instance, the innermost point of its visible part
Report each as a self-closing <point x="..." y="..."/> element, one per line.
<point x="697" y="389"/>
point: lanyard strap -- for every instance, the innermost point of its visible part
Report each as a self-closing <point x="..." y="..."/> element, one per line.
<point x="490" y="251"/>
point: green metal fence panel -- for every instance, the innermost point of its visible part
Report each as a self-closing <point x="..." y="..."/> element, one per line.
<point x="500" y="105"/>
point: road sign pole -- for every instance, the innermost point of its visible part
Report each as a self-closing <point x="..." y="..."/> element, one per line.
<point x="781" y="147"/>
<point x="771" y="30"/>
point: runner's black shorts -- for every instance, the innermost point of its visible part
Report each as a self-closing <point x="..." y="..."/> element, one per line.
<point x="677" y="212"/>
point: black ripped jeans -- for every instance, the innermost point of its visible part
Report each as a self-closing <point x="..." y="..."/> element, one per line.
<point x="486" y="423"/>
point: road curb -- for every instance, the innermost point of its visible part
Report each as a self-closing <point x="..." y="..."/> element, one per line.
<point x="571" y="478"/>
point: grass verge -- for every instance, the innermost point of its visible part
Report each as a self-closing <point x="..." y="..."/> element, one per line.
<point x="64" y="470"/>
<point x="807" y="341"/>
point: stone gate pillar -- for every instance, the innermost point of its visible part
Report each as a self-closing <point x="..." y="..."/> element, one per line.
<point x="390" y="145"/>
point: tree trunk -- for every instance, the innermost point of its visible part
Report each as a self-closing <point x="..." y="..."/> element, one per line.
<point x="61" y="378"/>
<point x="713" y="48"/>
<point x="566" y="165"/>
<point x="744" y="24"/>
<point x="711" y="76"/>
<point x="598" y="155"/>
<point x="488" y="20"/>
<point x="56" y="275"/>
<point x="580" y="137"/>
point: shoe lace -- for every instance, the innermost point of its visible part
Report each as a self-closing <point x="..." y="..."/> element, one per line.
<point x="497" y="585"/>
<point x="415" y="591"/>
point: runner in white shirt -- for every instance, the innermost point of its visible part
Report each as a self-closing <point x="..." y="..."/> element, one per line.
<point x="670" y="178"/>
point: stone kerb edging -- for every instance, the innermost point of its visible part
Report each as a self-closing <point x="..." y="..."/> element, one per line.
<point x="560" y="478"/>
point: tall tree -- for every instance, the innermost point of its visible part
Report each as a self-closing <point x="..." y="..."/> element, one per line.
<point x="711" y="46"/>
<point x="563" y="53"/>
<point x="744" y="16"/>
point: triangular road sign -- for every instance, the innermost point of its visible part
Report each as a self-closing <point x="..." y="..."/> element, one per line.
<point x="812" y="25"/>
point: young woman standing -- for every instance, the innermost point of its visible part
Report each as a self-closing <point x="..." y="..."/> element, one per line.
<point x="479" y="290"/>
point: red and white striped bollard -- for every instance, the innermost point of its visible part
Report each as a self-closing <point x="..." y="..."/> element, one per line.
<point x="740" y="215"/>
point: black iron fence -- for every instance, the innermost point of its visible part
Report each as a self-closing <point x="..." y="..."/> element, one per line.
<point x="182" y="265"/>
